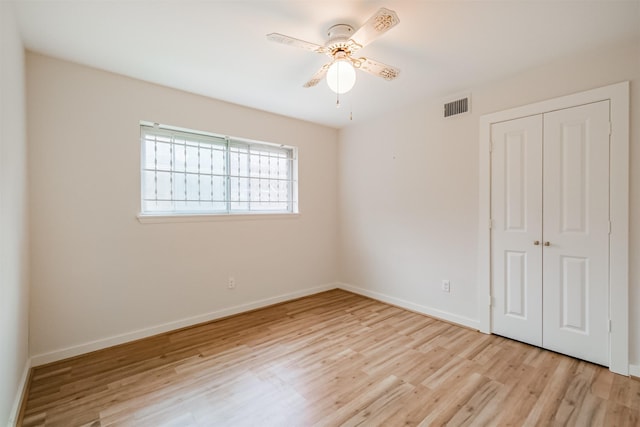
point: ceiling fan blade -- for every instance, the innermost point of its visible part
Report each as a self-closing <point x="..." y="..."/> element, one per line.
<point x="381" y="22"/>
<point x="379" y="69"/>
<point x="290" y="41"/>
<point x="318" y="76"/>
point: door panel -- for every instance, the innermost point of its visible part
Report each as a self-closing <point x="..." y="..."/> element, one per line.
<point x="515" y="284"/>
<point x="576" y="226"/>
<point x="574" y="286"/>
<point x="572" y="164"/>
<point x="516" y="205"/>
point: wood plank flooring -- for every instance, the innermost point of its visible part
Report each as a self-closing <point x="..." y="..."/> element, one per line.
<point x="331" y="359"/>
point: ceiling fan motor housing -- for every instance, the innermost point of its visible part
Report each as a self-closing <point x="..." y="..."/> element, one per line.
<point x="340" y="32"/>
<point x="339" y="39"/>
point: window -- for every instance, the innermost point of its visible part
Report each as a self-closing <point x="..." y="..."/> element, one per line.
<point x="188" y="172"/>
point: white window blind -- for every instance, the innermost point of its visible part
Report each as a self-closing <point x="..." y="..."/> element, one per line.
<point x="187" y="172"/>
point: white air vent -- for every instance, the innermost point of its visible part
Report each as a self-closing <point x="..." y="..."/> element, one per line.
<point x="457" y="105"/>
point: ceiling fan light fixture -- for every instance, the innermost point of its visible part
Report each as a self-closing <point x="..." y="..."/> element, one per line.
<point x="341" y="76"/>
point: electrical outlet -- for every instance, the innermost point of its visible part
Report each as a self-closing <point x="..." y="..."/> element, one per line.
<point x="231" y="282"/>
<point x="446" y="286"/>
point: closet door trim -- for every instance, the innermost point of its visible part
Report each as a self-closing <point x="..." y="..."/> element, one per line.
<point x="618" y="95"/>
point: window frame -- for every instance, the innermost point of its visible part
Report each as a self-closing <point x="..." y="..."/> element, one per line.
<point x="228" y="143"/>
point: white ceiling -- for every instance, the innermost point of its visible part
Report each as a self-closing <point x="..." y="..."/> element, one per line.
<point x="218" y="48"/>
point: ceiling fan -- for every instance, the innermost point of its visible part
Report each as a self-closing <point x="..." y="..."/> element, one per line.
<point x="341" y="46"/>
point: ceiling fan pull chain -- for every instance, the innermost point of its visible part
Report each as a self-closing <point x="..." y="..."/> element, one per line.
<point x="351" y="107"/>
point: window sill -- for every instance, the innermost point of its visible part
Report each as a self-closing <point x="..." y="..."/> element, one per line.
<point x="157" y="219"/>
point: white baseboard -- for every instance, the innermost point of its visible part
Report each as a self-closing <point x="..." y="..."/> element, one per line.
<point x="17" y="401"/>
<point x="429" y="311"/>
<point x="634" y="370"/>
<point x="76" y="350"/>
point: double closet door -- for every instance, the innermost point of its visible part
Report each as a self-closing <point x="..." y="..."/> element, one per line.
<point x="550" y="230"/>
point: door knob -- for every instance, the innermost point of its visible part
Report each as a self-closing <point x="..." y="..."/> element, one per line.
<point x="547" y="243"/>
<point x="536" y="242"/>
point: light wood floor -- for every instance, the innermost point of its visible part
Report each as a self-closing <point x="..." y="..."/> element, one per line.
<point x="332" y="359"/>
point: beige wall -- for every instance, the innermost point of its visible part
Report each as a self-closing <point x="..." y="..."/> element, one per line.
<point x="98" y="273"/>
<point x="14" y="286"/>
<point x="409" y="188"/>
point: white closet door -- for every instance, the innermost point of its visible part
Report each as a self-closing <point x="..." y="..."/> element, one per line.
<point x="516" y="209"/>
<point x="576" y="227"/>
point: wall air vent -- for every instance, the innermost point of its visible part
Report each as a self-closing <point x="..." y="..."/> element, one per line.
<point x="458" y="105"/>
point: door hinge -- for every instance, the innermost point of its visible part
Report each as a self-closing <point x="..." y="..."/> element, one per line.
<point x="609" y="325"/>
<point x="609" y="227"/>
<point x="490" y="223"/>
<point x="610" y="128"/>
<point x="490" y="301"/>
